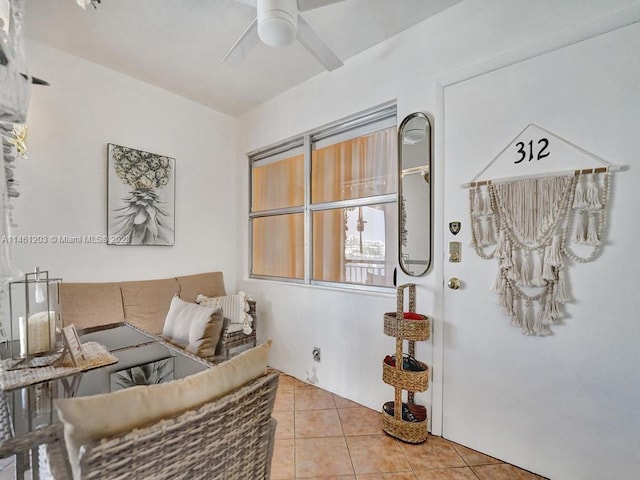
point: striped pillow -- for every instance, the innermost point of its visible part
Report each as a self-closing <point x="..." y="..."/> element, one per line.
<point x="234" y="307"/>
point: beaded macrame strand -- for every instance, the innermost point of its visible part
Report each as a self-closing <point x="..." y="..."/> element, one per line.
<point x="531" y="227"/>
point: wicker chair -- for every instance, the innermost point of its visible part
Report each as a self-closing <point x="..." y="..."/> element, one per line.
<point x="230" y="438"/>
<point x="229" y="340"/>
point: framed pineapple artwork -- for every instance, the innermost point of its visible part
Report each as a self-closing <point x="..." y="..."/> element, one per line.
<point x="140" y="197"/>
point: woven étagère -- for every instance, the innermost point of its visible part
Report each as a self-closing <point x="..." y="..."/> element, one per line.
<point x="418" y="330"/>
<point x="406" y="379"/>
<point x="411" y="432"/>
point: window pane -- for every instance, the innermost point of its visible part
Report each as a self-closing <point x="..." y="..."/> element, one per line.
<point x="278" y="246"/>
<point x="355" y="168"/>
<point x="278" y="184"/>
<point x="355" y="245"/>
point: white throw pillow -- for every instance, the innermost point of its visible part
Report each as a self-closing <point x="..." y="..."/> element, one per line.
<point x="196" y="328"/>
<point x="234" y="307"/>
<point x="91" y="418"/>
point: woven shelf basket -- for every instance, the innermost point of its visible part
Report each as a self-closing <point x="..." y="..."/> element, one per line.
<point x="411" y="432"/>
<point x="418" y="330"/>
<point x="406" y="379"/>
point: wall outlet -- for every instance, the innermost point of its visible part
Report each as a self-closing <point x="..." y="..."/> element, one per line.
<point x="316" y="354"/>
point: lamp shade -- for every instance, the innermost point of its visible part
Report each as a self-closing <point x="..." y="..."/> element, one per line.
<point x="277" y="22"/>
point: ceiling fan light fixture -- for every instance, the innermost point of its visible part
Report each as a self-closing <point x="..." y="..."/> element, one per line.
<point x="277" y="22"/>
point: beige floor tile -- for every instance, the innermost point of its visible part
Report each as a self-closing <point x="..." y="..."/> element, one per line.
<point x="376" y="454"/>
<point x="317" y="457"/>
<point x="342" y="402"/>
<point x="387" y="476"/>
<point x="286" y="382"/>
<point x="284" y="400"/>
<point x="360" y="421"/>
<point x="313" y="398"/>
<point x="283" y="462"/>
<point x="472" y="457"/>
<point x="317" y="423"/>
<point x="285" y="426"/>
<point x="502" y="471"/>
<point x="436" y="452"/>
<point x="458" y="473"/>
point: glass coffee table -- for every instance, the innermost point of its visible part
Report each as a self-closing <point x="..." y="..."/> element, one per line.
<point x="27" y="414"/>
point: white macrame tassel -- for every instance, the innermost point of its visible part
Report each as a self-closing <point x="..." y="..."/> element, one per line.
<point x="581" y="230"/>
<point x="514" y="273"/>
<point x="508" y="301"/>
<point x="477" y="202"/>
<point x="527" y="323"/>
<point x="500" y="282"/>
<point x="500" y="245"/>
<point x="554" y="257"/>
<point x="554" y="309"/>
<point x="592" y="230"/>
<point x="543" y="319"/>
<point x="547" y="270"/>
<point x="561" y="287"/>
<point x="592" y="195"/>
<point x="579" y="199"/>
<point x="487" y="237"/>
<point x="525" y="271"/>
<point x="536" y="276"/>
<point x="486" y="205"/>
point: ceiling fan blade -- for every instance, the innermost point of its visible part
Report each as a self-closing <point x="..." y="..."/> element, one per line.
<point x="243" y="45"/>
<point x="312" y="42"/>
<point x="304" y="5"/>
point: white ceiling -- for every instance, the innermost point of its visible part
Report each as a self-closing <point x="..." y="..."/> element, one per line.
<point x="178" y="44"/>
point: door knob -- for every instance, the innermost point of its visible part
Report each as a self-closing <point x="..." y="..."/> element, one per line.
<point x="454" y="283"/>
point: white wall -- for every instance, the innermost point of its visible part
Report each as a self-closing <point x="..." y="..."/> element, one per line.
<point x="63" y="182"/>
<point x="348" y="326"/>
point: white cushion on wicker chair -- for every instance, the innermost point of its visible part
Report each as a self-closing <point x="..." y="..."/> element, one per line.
<point x="88" y="419"/>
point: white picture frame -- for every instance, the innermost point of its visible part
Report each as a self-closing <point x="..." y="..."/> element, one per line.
<point x="72" y="343"/>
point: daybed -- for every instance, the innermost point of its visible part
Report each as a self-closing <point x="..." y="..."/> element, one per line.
<point x="145" y="304"/>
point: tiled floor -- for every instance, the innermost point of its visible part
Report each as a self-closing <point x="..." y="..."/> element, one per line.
<point x="322" y="436"/>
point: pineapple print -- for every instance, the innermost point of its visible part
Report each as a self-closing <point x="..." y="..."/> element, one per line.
<point x="149" y="374"/>
<point x="142" y="221"/>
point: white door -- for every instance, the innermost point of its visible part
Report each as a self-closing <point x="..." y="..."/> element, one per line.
<point x="566" y="405"/>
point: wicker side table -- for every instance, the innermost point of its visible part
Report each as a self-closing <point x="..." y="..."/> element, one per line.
<point x="416" y="329"/>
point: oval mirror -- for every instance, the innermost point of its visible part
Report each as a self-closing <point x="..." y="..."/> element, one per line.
<point x="414" y="193"/>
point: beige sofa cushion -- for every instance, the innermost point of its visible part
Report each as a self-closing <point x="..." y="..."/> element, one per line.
<point x="146" y="303"/>
<point x="94" y="417"/>
<point x="210" y="284"/>
<point x="90" y="304"/>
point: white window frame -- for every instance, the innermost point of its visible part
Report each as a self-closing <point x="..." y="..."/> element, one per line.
<point x="360" y="124"/>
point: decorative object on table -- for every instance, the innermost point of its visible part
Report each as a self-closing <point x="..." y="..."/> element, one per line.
<point x="15" y="84"/>
<point x="533" y="224"/>
<point x="34" y="308"/>
<point x="141" y="197"/>
<point x="406" y="421"/>
<point x="153" y="373"/>
<point x="72" y="344"/>
<point x="54" y="366"/>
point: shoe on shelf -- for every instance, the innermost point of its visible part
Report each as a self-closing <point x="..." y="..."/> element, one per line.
<point x="407" y="416"/>
<point x="409" y="363"/>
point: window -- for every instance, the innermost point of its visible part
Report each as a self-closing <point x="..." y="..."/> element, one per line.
<point x="323" y="206"/>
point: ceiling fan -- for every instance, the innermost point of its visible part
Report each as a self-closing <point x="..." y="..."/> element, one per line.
<point x="278" y="23"/>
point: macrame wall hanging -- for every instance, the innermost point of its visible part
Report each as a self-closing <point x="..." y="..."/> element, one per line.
<point x="535" y="225"/>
